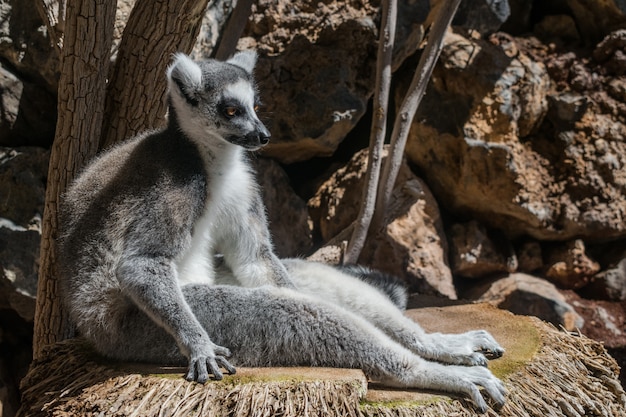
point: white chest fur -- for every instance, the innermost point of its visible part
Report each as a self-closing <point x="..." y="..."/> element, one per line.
<point x="230" y="190"/>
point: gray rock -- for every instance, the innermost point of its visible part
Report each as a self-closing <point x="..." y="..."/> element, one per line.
<point x="482" y="141"/>
<point x="23" y="173"/>
<point x="316" y="68"/>
<point x="412" y="244"/>
<point x="484" y="16"/>
<point x="10" y="93"/>
<point x="531" y="296"/>
<point x="22" y="188"/>
<point x="24" y="43"/>
<point x="475" y="254"/>
<point x="609" y="284"/>
<point x="19" y="264"/>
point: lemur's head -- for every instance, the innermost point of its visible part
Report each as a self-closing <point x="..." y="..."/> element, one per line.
<point x="217" y="99"/>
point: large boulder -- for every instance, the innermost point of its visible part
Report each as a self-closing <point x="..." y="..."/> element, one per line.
<point x="498" y="142"/>
<point x="411" y="245"/>
<point x="527" y="295"/>
<point x="316" y="68"/>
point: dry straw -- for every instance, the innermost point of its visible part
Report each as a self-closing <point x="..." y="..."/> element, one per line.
<point x="569" y="375"/>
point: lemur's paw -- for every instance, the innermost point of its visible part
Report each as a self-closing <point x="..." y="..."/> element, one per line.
<point x="478" y="376"/>
<point x="484" y="343"/>
<point x="473" y="348"/>
<point x="471" y="378"/>
<point x="207" y="362"/>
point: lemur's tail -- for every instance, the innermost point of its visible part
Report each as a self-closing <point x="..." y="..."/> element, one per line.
<point x="388" y="284"/>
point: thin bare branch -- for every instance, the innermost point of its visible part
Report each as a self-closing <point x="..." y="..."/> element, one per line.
<point x="234" y="28"/>
<point x="378" y="131"/>
<point x="409" y="106"/>
<point x="52" y="13"/>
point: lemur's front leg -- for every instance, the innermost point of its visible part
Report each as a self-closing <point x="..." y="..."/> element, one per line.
<point x="247" y="250"/>
<point x="150" y="282"/>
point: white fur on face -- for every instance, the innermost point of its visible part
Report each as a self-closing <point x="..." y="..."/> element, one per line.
<point x="241" y="91"/>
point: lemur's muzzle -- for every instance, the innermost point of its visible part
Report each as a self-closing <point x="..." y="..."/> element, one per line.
<point x="263" y="135"/>
<point x="259" y="137"/>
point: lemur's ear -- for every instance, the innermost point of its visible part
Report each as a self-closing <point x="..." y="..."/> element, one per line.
<point x="185" y="75"/>
<point x="245" y="60"/>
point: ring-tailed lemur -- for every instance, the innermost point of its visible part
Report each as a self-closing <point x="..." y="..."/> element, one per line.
<point x="141" y="225"/>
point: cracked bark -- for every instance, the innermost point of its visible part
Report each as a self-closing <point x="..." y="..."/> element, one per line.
<point x="92" y="113"/>
<point x="156" y="29"/>
<point x="82" y="88"/>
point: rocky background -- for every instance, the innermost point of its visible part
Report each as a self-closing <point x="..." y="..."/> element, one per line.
<point x="513" y="190"/>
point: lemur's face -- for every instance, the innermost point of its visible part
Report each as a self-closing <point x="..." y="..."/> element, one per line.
<point x="214" y="98"/>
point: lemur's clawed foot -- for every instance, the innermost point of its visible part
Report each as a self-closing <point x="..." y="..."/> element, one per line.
<point x="473" y="348"/>
<point x="476" y="376"/>
<point x="207" y="361"/>
<point x="484" y="343"/>
<point x="476" y="382"/>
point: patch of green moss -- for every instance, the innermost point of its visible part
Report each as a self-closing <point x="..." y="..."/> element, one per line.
<point x="393" y="404"/>
<point x="168" y="375"/>
<point x="517" y="355"/>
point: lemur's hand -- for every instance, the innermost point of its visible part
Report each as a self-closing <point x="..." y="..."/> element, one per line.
<point x="472" y="348"/>
<point x="208" y="360"/>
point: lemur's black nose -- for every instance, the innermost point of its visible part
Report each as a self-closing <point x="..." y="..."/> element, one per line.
<point x="264" y="134"/>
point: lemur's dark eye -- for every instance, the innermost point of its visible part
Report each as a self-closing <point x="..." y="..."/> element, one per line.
<point x="232" y="111"/>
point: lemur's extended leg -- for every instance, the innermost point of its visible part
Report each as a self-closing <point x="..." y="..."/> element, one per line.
<point x="269" y="326"/>
<point x="282" y="327"/>
<point x="328" y="283"/>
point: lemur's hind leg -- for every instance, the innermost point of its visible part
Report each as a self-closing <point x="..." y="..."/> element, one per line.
<point x="269" y="326"/>
<point x="328" y="283"/>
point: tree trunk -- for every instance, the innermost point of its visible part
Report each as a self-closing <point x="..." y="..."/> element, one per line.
<point x="82" y="89"/>
<point x="136" y="96"/>
<point x="90" y="115"/>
